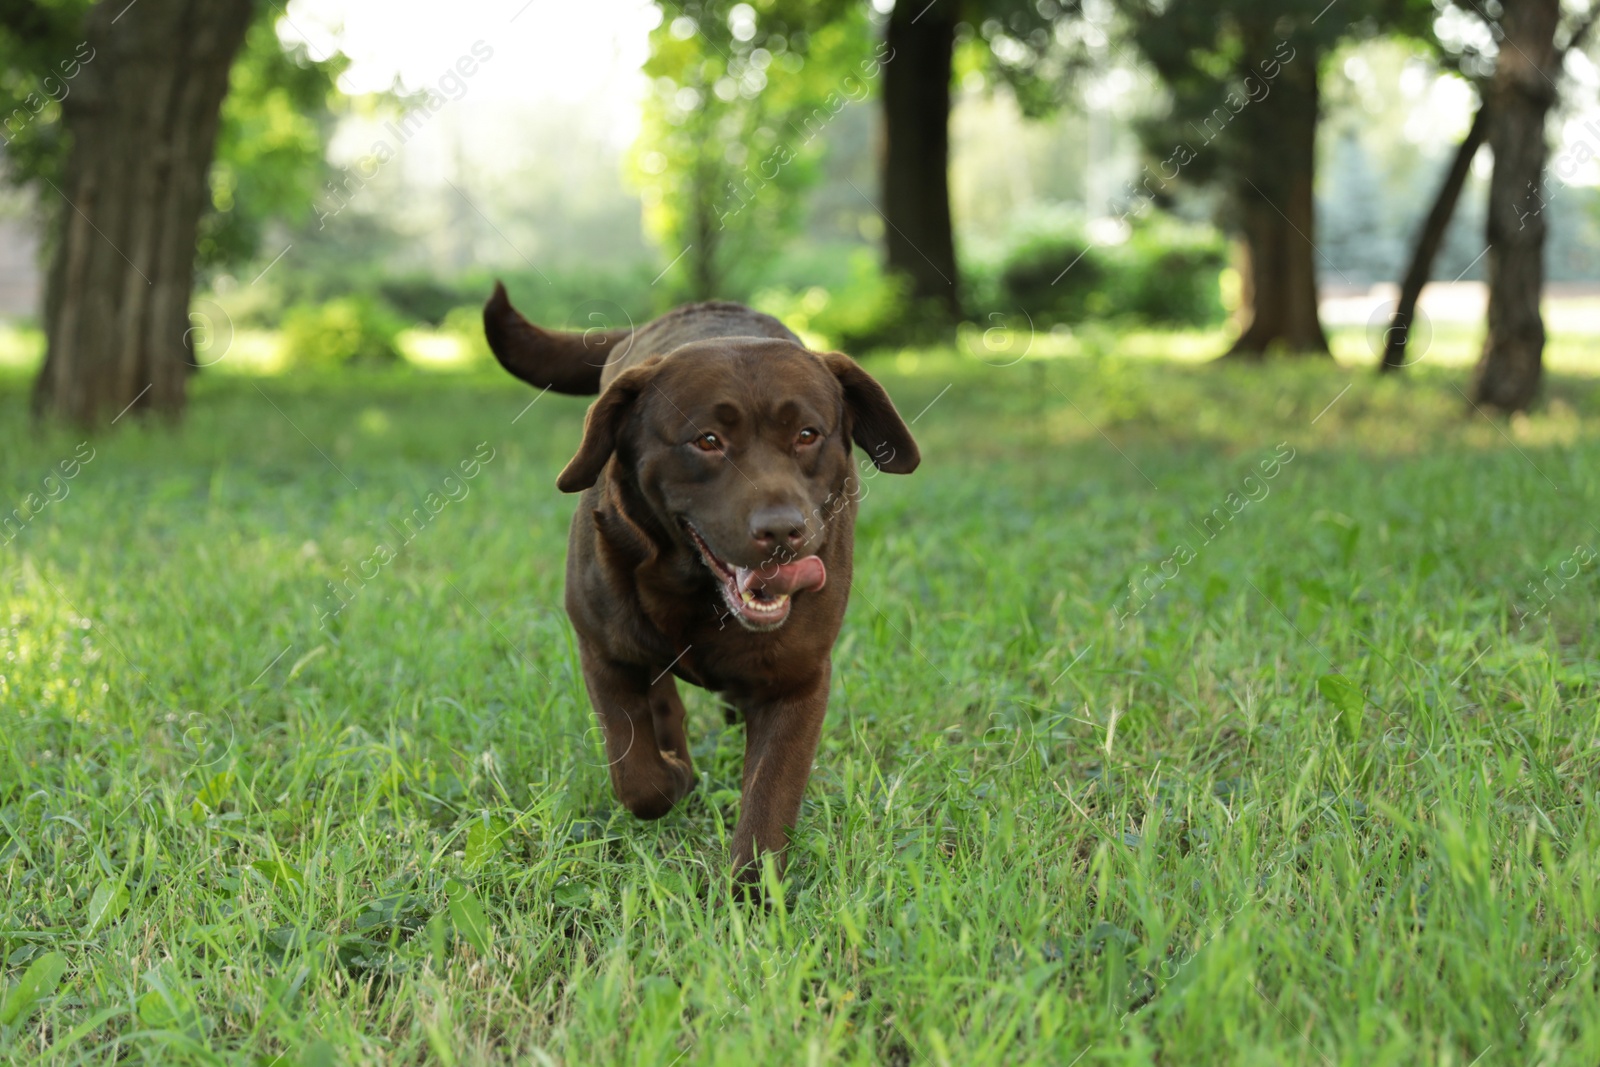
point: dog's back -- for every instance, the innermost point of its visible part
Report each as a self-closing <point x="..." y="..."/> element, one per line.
<point x="581" y="364"/>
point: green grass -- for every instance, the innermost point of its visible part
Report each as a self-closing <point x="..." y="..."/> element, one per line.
<point x="1033" y="835"/>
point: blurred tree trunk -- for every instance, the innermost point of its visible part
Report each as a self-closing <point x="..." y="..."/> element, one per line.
<point x="1428" y="241"/>
<point x="1277" y="217"/>
<point x="705" y="280"/>
<point x="1509" y="371"/>
<point x="920" y="240"/>
<point x="142" y="121"/>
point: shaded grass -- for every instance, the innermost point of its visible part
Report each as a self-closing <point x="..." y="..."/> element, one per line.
<point x="1061" y="809"/>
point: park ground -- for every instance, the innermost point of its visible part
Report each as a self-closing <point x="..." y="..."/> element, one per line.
<point x="1185" y="713"/>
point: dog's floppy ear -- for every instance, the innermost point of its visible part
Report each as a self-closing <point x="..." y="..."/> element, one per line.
<point x="874" y="423"/>
<point x="601" y="426"/>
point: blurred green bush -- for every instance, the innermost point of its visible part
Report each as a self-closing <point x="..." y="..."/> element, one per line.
<point x="346" y="331"/>
<point x="1161" y="272"/>
<point x="1171" y="273"/>
<point x="466" y="325"/>
<point x="559" y="300"/>
<point x="864" y="309"/>
<point x="420" y="298"/>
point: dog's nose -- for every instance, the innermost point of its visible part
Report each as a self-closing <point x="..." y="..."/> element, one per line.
<point x="778" y="527"/>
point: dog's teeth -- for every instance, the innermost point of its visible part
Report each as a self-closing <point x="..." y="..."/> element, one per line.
<point x="750" y="604"/>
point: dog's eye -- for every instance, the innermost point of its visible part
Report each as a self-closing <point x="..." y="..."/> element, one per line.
<point x="708" y="442"/>
<point x="808" y="436"/>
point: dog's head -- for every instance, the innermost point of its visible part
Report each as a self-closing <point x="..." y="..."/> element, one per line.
<point x="741" y="449"/>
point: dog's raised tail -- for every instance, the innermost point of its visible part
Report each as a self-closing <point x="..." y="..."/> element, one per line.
<point x="563" y="361"/>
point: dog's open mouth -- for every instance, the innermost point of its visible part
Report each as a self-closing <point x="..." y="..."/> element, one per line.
<point x="760" y="597"/>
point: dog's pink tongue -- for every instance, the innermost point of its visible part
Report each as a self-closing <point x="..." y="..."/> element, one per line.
<point x="808" y="573"/>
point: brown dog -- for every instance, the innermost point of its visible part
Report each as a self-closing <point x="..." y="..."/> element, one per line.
<point x="713" y="541"/>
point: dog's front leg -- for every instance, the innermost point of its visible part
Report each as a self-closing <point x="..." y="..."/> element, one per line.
<point x="646" y="751"/>
<point x="780" y="743"/>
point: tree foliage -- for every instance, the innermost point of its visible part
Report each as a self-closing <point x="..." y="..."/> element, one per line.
<point x="42" y="52"/>
<point x="1039" y="49"/>
<point x="270" y="150"/>
<point x="276" y="121"/>
<point x="734" y="126"/>
<point x="1226" y="54"/>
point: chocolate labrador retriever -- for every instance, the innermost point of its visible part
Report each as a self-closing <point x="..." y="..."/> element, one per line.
<point x="713" y="540"/>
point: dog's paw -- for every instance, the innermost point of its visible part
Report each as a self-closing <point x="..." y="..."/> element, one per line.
<point x="652" y="790"/>
<point x="682" y="775"/>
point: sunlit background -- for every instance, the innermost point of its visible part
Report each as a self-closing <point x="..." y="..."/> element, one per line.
<point x="535" y="168"/>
